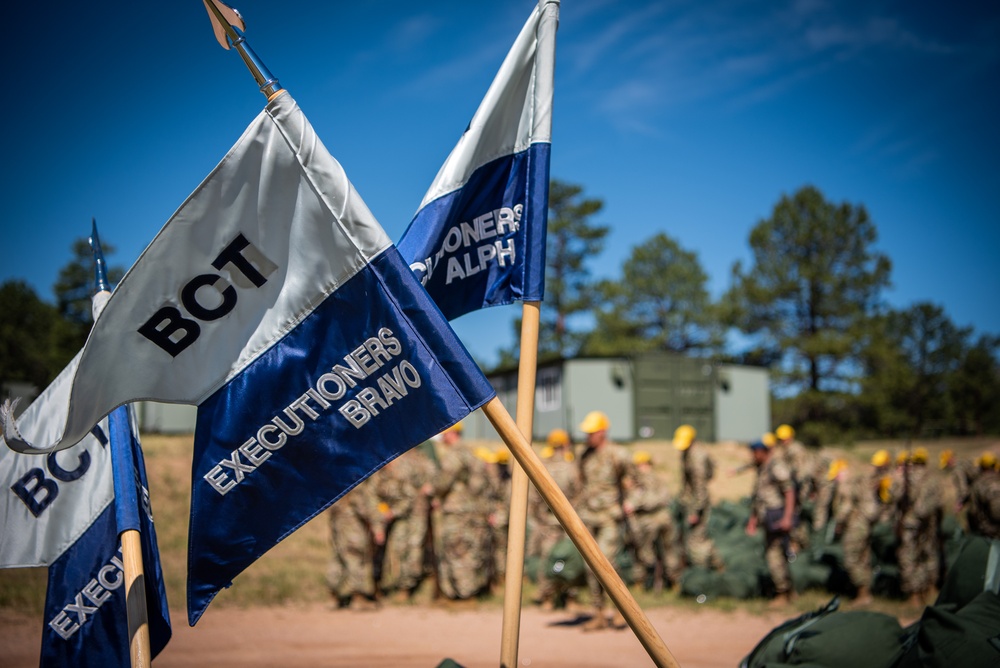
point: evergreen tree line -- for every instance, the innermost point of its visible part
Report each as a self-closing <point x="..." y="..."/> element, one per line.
<point x="809" y="306"/>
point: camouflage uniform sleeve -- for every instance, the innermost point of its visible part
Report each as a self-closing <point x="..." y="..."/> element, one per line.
<point x="928" y="499"/>
<point x="699" y="483"/>
<point x="451" y="469"/>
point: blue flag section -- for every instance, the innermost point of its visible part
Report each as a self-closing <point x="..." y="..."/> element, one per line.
<point x="478" y="238"/>
<point x="371" y="372"/>
<point x="86" y="622"/>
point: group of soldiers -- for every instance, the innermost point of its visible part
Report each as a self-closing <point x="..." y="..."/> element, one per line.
<point x="442" y="512"/>
<point x="902" y="491"/>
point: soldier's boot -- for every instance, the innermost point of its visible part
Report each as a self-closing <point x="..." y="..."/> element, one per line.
<point x="618" y="620"/>
<point x="597" y="622"/>
<point x="864" y="597"/>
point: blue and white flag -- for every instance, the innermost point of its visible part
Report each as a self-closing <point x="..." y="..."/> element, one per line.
<point x="59" y="511"/>
<point x="478" y="238"/>
<point x="274" y="301"/>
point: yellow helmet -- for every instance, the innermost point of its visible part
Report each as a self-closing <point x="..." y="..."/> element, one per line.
<point x="684" y="436"/>
<point x="558" y="437"/>
<point x="885" y="489"/>
<point x="919" y="456"/>
<point x="769" y="439"/>
<point x="987" y="460"/>
<point x="547" y="452"/>
<point x="457" y="427"/>
<point x="641" y="457"/>
<point x="784" y="432"/>
<point x="594" y="421"/>
<point x="945" y="458"/>
<point x="485" y="454"/>
<point x="502" y="456"/>
<point x="902" y="457"/>
<point x="836" y="466"/>
<point x="880" y="458"/>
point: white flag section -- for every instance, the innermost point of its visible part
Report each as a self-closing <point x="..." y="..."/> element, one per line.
<point x="228" y="276"/>
<point x="48" y="502"/>
<point x="274" y="301"/>
<point x="478" y="238"/>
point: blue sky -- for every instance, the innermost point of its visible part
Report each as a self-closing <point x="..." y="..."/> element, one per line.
<point x="691" y="118"/>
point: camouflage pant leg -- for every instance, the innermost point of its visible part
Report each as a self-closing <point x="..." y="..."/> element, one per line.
<point x="656" y="544"/>
<point x="350" y="570"/>
<point x="857" y="554"/>
<point x="673" y="552"/>
<point x="645" y="531"/>
<point x="608" y="538"/>
<point x="463" y="563"/>
<point x="918" y="560"/>
<point x="800" y="537"/>
<point x="777" y="563"/>
<point x="699" y="547"/>
<point x="540" y="543"/>
<point x="404" y="554"/>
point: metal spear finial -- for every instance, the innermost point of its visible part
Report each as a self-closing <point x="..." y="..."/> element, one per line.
<point x="228" y="26"/>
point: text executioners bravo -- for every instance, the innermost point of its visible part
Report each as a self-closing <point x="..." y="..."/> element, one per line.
<point x="249" y="268"/>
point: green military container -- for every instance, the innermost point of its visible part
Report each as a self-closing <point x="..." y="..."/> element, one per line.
<point x="671" y="390"/>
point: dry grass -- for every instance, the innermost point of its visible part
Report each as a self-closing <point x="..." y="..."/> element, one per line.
<point x="293" y="572"/>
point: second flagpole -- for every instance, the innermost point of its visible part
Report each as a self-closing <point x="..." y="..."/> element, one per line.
<point x="514" y="571"/>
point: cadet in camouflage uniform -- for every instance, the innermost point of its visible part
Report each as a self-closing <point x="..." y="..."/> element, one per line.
<point x="353" y="520"/>
<point x="463" y="563"/>
<point x="404" y="508"/>
<point x="962" y="473"/>
<point x="802" y="468"/>
<point x="827" y="492"/>
<point x="772" y="506"/>
<point x="857" y="509"/>
<point x="984" y="499"/>
<point x="919" y="517"/>
<point x="545" y="528"/>
<point x="697" y="469"/>
<point x="605" y="478"/>
<point x="653" y="533"/>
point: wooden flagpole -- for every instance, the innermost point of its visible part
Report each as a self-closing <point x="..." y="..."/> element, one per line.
<point x="514" y="571"/>
<point x="571" y="522"/>
<point x="135" y="599"/>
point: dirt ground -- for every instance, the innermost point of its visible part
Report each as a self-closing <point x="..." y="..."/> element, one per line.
<point x="421" y="637"/>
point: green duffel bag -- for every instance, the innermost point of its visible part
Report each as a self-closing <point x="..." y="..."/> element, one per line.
<point x="967" y="573"/>
<point x="566" y="564"/>
<point x="740" y="584"/>
<point x="808" y="574"/>
<point x="830" y="639"/>
<point x="966" y="638"/>
<point x="699" y="582"/>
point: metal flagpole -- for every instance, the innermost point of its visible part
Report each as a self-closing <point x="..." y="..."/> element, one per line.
<point x="135" y="578"/>
<point x="514" y="571"/>
<point x="228" y="26"/>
